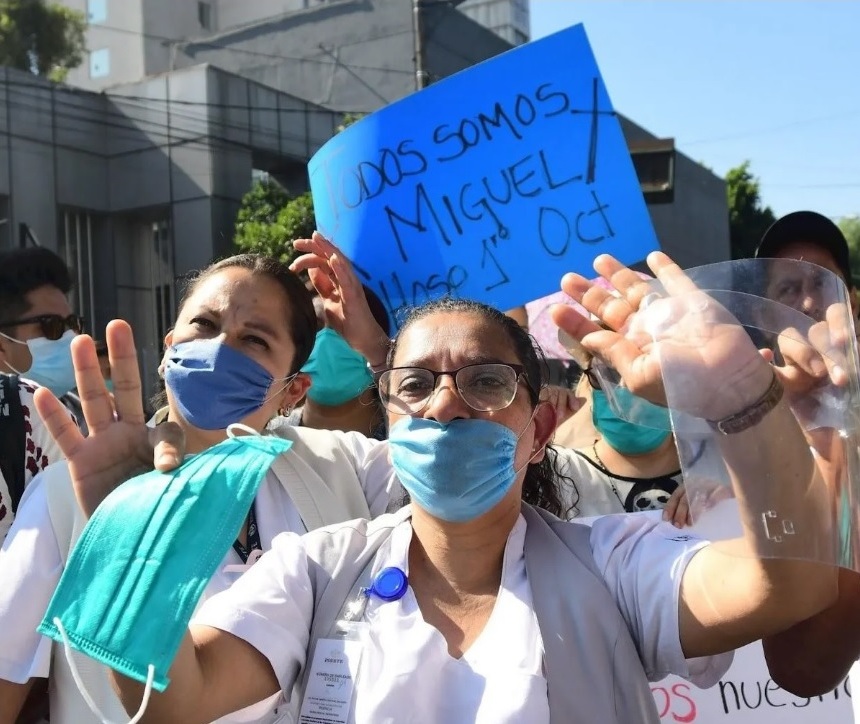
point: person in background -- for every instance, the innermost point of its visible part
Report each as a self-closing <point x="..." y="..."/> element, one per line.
<point x="625" y="467"/>
<point x="619" y="466"/>
<point x="811" y="237"/>
<point x="36" y="328"/>
<point x="341" y="395"/>
<point x="830" y="641"/>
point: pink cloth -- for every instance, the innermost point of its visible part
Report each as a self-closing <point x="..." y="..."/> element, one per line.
<point x="542" y="327"/>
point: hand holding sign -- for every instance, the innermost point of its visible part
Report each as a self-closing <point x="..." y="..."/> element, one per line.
<point x="346" y="309"/>
<point x="488" y="185"/>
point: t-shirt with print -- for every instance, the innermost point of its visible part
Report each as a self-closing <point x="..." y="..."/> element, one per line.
<point x="40" y="451"/>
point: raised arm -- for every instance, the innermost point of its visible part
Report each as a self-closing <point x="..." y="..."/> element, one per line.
<point x="119" y="446"/>
<point x="738" y="591"/>
<point x="814" y="656"/>
<point x="346" y="308"/>
<point x="214" y="674"/>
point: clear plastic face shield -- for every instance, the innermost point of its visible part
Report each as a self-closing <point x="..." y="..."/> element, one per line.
<point x="799" y="316"/>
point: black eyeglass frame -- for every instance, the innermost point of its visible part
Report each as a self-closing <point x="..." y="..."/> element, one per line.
<point x="519" y="369"/>
<point x="74" y="322"/>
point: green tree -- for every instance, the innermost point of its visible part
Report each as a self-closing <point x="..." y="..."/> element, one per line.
<point x="748" y="218"/>
<point x="269" y="220"/>
<point x="850" y="226"/>
<point x="40" y="37"/>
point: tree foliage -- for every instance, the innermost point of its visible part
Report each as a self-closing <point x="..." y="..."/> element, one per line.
<point x="269" y="220"/>
<point x="40" y="37"/>
<point x="850" y="226"/>
<point x="748" y="217"/>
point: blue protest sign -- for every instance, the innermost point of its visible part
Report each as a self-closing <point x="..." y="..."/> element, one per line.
<point x="488" y="185"/>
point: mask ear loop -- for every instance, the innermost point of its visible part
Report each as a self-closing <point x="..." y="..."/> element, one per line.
<point x="232" y="428"/>
<point x="286" y="380"/>
<point x="8" y="363"/>
<point x="67" y="650"/>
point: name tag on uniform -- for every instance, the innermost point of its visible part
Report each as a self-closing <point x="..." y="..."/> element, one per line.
<point x="331" y="683"/>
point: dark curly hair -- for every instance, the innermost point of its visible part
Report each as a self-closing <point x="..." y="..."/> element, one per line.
<point x="543" y="480"/>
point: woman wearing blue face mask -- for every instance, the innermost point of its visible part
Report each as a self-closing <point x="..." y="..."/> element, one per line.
<point x="245" y="328"/>
<point x="469" y="605"/>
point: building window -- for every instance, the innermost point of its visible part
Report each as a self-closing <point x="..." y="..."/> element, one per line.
<point x="4" y="223"/>
<point x="100" y="63"/>
<point x="96" y="11"/>
<point x="654" y="162"/>
<point x="204" y="15"/>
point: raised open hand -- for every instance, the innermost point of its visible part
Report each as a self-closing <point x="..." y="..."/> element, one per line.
<point x="716" y="370"/>
<point x="119" y="444"/>
<point x="346" y="308"/>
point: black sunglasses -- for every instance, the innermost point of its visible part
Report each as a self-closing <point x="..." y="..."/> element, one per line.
<point x="53" y="326"/>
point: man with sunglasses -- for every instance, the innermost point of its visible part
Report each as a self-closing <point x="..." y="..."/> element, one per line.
<point x="36" y="330"/>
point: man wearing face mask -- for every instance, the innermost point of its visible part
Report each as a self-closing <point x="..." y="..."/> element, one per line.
<point x="341" y="395"/>
<point x="36" y="330"/>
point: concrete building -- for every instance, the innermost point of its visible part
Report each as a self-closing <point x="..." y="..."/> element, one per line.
<point x="349" y="56"/>
<point x="131" y="39"/>
<point x="508" y="19"/>
<point x="139" y="186"/>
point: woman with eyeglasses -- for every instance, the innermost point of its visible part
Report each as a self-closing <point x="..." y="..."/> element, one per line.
<point x="469" y="604"/>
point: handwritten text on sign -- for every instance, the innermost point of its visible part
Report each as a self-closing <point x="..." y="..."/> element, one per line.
<point x="488" y="185"/>
<point x="747" y="695"/>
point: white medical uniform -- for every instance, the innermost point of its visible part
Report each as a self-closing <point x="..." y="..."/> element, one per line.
<point x="405" y="673"/>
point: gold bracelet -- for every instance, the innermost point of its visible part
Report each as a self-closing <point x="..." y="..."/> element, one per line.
<point x="753" y="414"/>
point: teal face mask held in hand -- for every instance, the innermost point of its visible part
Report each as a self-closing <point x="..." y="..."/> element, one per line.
<point x="141" y="564"/>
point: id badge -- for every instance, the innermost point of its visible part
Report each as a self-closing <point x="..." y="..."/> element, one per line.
<point x="334" y="670"/>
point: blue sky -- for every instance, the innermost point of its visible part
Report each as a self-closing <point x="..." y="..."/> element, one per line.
<point x="773" y="81"/>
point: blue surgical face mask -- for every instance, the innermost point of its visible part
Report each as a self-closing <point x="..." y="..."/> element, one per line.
<point x="144" y="558"/>
<point x="626" y="437"/>
<point x="214" y="385"/>
<point x="457" y="470"/>
<point x="52" y="362"/>
<point x="338" y="373"/>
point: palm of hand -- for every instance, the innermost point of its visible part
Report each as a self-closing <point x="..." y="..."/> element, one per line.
<point x="695" y="358"/>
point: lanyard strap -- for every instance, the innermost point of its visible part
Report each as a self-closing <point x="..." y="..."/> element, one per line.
<point x="253" y="538"/>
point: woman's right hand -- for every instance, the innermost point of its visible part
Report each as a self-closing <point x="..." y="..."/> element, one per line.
<point x="346" y="308"/>
<point x="119" y="445"/>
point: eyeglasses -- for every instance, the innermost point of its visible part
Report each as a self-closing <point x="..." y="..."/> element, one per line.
<point x="485" y="387"/>
<point x="608" y="375"/>
<point x="53" y="326"/>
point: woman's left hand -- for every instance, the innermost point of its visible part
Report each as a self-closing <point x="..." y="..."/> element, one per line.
<point x="346" y="308"/>
<point x="710" y="357"/>
<point x="677" y="510"/>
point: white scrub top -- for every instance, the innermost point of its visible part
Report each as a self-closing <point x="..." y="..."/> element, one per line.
<point x="405" y="673"/>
